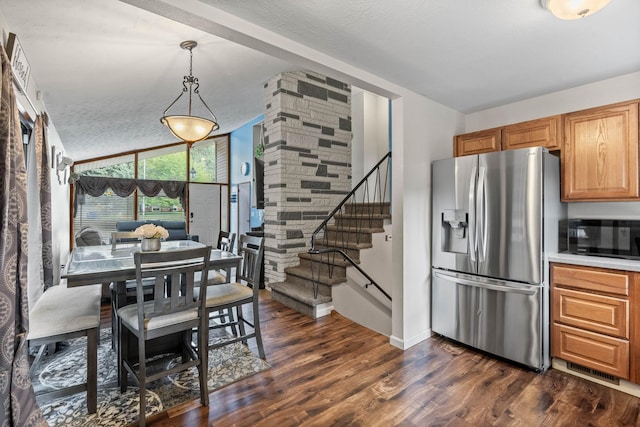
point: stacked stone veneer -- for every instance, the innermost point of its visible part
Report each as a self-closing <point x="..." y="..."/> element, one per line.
<point x="307" y="162"/>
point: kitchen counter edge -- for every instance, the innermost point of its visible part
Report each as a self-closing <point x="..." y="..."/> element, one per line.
<point x="595" y="261"/>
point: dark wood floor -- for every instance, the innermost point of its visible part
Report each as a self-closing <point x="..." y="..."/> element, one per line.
<point x="332" y="372"/>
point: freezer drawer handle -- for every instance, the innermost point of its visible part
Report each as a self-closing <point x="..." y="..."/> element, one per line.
<point x="485" y="285"/>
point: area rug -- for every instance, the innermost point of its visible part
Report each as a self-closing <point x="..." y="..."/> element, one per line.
<point x="68" y="366"/>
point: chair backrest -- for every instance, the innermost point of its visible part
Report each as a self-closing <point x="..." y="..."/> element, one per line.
<point x="119" y="237"/>
<point x="88" y="236"/>
<point x="251" y="249"/>
<point x="173" y="273"/>
<point x="226" y="240"/>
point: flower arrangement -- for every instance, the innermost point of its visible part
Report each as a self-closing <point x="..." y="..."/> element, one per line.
<point x="151" y="231"/>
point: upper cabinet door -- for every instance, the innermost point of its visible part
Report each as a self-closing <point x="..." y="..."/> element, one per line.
<point x="484" y="141"/>
<point x="600" y="153"/>
<point x="546" y="132"/>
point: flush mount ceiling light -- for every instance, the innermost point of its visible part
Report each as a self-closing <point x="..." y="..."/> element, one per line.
<point x="190" y="128"/>
<point x="573" y="9"/>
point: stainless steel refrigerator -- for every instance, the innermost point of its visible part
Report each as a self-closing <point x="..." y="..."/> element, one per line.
<point x="494" y="217"/>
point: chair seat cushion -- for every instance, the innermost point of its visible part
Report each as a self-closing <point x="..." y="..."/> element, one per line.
<point x="129" y="316"/>
<point x="226" y="293"/>
<point x="61" y="310"/>
<point x="213" y="278"/>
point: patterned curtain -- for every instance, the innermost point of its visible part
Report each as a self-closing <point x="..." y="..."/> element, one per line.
<point x="19" y="407"/>
<point x="44" y="178"/>
<point x="95" y="186"/>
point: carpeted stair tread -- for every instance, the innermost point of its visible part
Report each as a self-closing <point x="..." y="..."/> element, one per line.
<point x="333" y="258"/>
<point x="354" y="229"/>
<point x="323" y="244"/>
<point x="301" y="293"/>
<point x="353" y="215"/>
<point x="305" y="273"/>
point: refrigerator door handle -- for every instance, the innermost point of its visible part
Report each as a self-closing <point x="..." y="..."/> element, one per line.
<point x="473" y="245"/>
<point x="481" y="208"/>
<point x="494" y="287"/>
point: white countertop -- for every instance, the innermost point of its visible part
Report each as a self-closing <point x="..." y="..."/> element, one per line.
<point x="595" y="261"/>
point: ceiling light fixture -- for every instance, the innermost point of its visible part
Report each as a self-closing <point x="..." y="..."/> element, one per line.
<point x="190" y="128"/>
<point x="573" y="9"/>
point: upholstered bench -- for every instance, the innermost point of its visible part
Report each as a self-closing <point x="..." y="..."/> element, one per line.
<point x="62" y="313"/>
<point x="177" y="229"/>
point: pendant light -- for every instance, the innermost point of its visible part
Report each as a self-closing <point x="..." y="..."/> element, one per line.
<point x="190" y="128"/>
<point x="573" y="9"/>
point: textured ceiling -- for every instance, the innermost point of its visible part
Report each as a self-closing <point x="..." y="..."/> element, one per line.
<point x="466" y="54"/>
<point x="107" y="69"/>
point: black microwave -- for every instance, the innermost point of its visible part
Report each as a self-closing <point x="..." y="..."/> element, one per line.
<point x="604" y="237"/>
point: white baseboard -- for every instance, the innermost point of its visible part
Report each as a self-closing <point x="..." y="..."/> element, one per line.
<point x="405" y="344"/>
<point x="323" y="310"/>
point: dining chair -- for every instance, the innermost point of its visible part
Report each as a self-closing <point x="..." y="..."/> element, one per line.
<point x="174" y="312"/>
<point x="226" y="241"/>
<point x="119" y="239"/>
<point x="63" y="313"/>
<point x="234" y="296"/>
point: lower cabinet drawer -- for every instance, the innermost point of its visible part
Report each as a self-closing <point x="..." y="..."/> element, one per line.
<point x="596" y="351"/>
<point x="596" y="313"/>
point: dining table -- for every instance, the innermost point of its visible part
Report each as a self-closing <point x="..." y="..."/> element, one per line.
<point x="88" y="265"/>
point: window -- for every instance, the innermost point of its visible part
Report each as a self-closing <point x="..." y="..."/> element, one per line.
<point x="209" y="161"/>
<point x="103" y="212"/>
<point x="168" y="163"/>
<point x="117" y="167"/>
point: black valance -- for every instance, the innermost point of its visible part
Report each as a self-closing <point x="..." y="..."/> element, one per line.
<point x="96" y="186"/>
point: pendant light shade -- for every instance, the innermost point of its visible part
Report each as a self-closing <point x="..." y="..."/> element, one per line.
<point x="190" y="128"/>
<point x="573" y="9"/>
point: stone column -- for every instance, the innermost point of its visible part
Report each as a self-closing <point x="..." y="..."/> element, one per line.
<point x="307" y="162"/>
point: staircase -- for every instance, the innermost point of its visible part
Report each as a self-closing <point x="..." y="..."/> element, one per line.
<point x="307" y="287"/>
<point x="336" y="244"/>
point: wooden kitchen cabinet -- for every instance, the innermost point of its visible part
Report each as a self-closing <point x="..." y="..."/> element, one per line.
<point x="546" y="132"/>
<point x="594" y="312"/>
<point x="597" y="351"/>
<point x="598" y="313"/>
<point x="600" y="153"/>
<point x="484" y="141"/>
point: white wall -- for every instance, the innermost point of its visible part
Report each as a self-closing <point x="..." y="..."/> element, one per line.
<point x="368" y="306"/>
<point x="604" y="92"/>
<point x="370" y="129"/>
<point x="357" y="134"/>
<point x="370" y="142"/>
<point x="59" y="193"/>
<point x="60" y="211"/>
<point x="422" y="131"/>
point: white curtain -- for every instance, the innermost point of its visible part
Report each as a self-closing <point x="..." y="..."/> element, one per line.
<point x="35" y="275"/>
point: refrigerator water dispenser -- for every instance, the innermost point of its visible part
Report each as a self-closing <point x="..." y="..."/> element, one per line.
<point x="454" y="226"/>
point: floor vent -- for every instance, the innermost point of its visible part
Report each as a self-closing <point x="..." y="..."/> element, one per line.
<point x="593" y="373"/>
